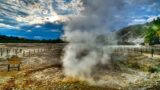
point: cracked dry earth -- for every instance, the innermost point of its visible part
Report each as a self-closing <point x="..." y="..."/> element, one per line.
<point x="44" y="71"/>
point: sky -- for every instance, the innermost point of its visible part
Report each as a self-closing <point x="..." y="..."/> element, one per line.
<point x="46" y="19"/>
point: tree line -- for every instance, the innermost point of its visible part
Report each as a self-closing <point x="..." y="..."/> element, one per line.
<point x="11" y="39"/>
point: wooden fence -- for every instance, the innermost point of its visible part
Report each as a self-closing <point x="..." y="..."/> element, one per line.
<point x="27" y="52"/>
<point x="139" y="50"/>
<point x="22" y="52"/>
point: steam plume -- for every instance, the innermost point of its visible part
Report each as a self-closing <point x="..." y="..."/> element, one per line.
<point x="89" y="36"/>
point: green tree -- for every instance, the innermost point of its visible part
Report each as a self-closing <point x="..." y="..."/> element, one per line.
<point x="152" y="36"/>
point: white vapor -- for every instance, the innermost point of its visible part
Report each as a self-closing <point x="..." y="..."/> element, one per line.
<point x="89" y="36"/>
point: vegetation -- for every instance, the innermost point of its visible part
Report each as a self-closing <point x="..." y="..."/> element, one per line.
<point x="155" y="69"/>
<point x="152" y="36"/>
<point x="6" y="39"/>
<point x="149" y="31"/>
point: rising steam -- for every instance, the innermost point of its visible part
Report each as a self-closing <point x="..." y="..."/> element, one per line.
<point x="89" y="36"/>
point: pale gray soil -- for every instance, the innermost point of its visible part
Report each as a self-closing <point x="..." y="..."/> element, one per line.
<point x="44" y="71"/>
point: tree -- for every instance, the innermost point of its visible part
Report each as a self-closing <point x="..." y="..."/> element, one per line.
<point x="152" y="36"/>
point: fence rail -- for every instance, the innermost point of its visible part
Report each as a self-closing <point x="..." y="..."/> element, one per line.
<point x="141" y="50"/>
<point x="23" y="52"/>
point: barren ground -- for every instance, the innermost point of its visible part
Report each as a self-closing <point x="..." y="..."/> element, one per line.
<point x="44" y="71"/>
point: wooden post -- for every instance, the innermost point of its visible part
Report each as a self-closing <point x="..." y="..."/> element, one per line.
<point x="1" y="52"/>
<point x="33" y="51"/>
<point x="20" y="50"/>
<point x="18" y="67"/>
<point x="152" y="52"/>
<point x="29" y="53"/>
<point x="16" y="51"/>
<point x="23" y="53"/>
<point x="8" y="51"/>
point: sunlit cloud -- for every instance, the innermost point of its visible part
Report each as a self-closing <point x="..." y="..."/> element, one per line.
<point x="2" y="25"/>
<point x="37" y="26"/>
<point x="151" y="18"/>
<point x="39" y="13"/>
<point x="143" y="20"/>
<point x="138" y="21"/>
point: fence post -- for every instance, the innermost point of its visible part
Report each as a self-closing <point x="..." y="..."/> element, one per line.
<point x="16" y="51"/>
<point x="152" y="52"/>
<point x="34" y="51"/>
<point x="23" y="53"/>
<point x="44" y="49"/>
<point x="7" y="52"/>
<point x="1" y="52"/>
<point x="20" y="50"/>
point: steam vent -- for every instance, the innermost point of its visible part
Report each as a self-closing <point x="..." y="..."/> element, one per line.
<point x="79" y="45"/>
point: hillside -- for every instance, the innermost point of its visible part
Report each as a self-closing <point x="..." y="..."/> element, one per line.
<point x="131" y="32"/>
<point x="10" y="39"/>
<point x="149" y="32"/>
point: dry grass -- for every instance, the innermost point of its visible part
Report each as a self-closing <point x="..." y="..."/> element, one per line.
<point x="42" y="73"/>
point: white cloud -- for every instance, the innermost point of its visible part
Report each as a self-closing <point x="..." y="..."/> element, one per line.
<point x="151" y="18"/>
<point x="2" y="25"/>
<point x="55" y="30"/>
<point x="29" y="30"/>
<point x="138" y="21"/>
<point x="34" y="19"/>
<point x="142" y="20"/>
<point x="74" y="5"/>
<point x="37" y="26"/>
<point x="39" y="13"/>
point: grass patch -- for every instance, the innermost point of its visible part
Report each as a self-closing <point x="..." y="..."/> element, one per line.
<point x="155" y="69"/>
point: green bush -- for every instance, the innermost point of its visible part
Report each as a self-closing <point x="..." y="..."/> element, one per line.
<point x="155" y="69"/>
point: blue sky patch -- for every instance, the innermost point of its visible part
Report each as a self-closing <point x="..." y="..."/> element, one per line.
<point x="43" y="16"/>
